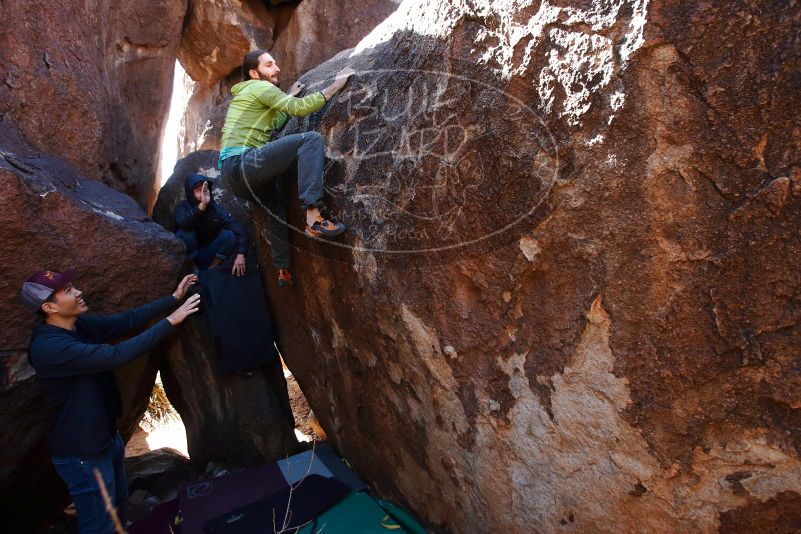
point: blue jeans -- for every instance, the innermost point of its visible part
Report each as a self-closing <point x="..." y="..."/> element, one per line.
<point x="220" y="247"/>
<point x="78" y="473"/>
<point x="255" y="175"/>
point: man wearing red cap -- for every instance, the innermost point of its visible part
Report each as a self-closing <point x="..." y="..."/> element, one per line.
<point x="75" y="368"/>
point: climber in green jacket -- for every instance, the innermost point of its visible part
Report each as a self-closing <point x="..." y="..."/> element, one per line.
<point x="251" y="163"/>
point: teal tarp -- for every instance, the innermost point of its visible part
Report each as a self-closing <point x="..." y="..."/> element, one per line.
<point x="358" y="513"/>
<point x="404" y="518"/>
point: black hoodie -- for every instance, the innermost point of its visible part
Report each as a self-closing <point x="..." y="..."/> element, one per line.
<point x="75" y="371"/>
<point x="207" y="223"/>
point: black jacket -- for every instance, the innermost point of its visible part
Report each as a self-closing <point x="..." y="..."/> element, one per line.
<point x="75" y="372"/>
<point x="239" y="318"/>
<point x="207" y="223"/>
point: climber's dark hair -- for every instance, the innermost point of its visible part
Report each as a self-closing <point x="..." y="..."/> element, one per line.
<point x="251" y="61"/>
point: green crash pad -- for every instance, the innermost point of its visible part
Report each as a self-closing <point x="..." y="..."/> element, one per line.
<point x="406" y="520"/>
<point x="358" y="513"/>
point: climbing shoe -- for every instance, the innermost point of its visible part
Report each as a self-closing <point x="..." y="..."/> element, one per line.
<point x="285" y="278"/>
<point x="322" y="227"/>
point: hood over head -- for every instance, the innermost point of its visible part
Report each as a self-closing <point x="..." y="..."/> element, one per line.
<point x="189" y="184"/>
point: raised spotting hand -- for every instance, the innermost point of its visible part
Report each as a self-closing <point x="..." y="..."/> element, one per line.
<point x="183" y="286"/>
<point x="184" y="310"/>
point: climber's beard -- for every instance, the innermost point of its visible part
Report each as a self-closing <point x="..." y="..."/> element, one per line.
<point x="272" y="78"/>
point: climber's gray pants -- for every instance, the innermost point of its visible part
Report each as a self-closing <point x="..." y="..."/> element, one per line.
<point x="255" y="176"/>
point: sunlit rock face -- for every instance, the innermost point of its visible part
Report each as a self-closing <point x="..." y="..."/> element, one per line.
<point x="204" y="116"/>
<point x="568" y="297"/>
<point x="54" y="218"/>
<point x="91" y="83"/>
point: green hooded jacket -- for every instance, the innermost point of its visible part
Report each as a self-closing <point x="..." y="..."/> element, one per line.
<point x="258" y="109"/>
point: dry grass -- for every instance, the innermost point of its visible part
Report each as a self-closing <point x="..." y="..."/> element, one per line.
<point x="159" y="410"/>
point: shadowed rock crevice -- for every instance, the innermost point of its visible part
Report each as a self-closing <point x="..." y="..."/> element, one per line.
<point x="779" y="514"/>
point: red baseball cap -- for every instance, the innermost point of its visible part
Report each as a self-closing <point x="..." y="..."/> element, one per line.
<point x="39" y="287"/>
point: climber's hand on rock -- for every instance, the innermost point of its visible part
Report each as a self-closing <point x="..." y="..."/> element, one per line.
<point x="239" y="265"/>
<point x="342" y="77"/>
<point x="344" y="74"/>
<point x="296" y="88"/>
<point x="184" y="310"/>
<point x="183" y="286"/>
<point x="339" y="82"/>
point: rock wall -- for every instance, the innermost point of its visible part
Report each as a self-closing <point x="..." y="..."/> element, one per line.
<point x="52" y="217"/>
<point x="568" y="298"/>
<point x="93" y="87"/>
<point x="299" y="35"/>
<point x="204" y="115"/>
<point x="316" y="30"/>
<point x="233" y="419"/>
<point x="216" y="35"/>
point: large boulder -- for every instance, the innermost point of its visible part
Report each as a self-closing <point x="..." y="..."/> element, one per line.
<point x="217" y="34"/>
<point x="234" y="419"/>
<point x="93" y="87"/>
<point x="568" y="297"/>
<point x="54" y="218"/>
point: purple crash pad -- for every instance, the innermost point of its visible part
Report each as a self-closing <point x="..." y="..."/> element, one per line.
<point x="206" y="499"/>
<point x="160" y="520"/>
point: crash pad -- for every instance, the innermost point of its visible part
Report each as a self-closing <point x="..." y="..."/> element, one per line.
<point x="207" y="499"/>
<point x="160" y="520"/>
<point x="323" y="461"/>
<point x="338" y="467"/>
<point x="403" y="518"/>
<point x="358" y="513"/>
<point x="287" y="509"/>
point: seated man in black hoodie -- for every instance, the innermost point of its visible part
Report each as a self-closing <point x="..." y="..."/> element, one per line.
<point x="210" y="233"/>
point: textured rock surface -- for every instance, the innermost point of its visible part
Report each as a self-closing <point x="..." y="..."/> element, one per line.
<point x="232" y="419"/>
<point x="54" y="218"/>
<point x="154" y="478"/>
<point x="92" y="87"/>
<point x="778" y="514"/>
<point x="306" y="34"/>
<point x="316" y="30"/>
<point x="217" y="34"/>
<point x="569" y="296"/>
<point x="204" y="115"/>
